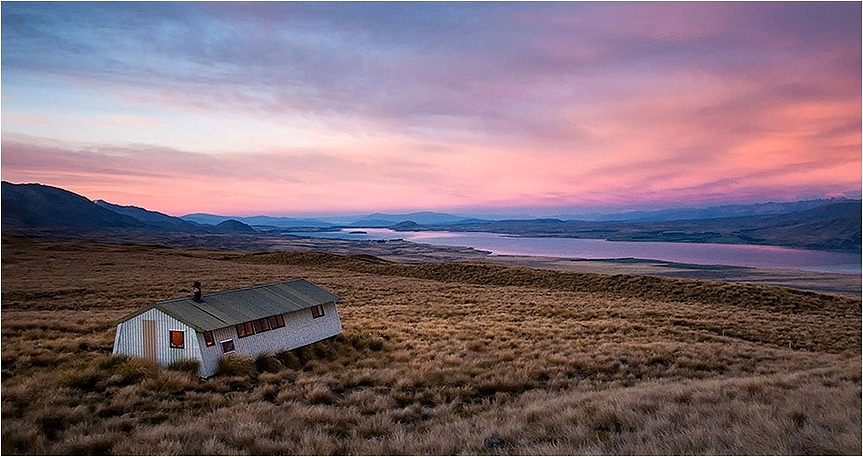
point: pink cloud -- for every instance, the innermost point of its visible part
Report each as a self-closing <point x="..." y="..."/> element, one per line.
<point x="316" y="108"/>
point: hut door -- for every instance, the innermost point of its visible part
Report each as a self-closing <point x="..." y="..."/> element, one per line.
<point x="149" y="335"/>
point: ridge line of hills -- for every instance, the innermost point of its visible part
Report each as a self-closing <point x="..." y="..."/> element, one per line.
<point x="831" y="225"/>
<point x="40" y="207"/>
<point x="430" y="218"/>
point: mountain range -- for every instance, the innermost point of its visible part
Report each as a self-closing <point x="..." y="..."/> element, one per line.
<point x="39" y="207"/>
<point x="429" y="218"/>
<point x="821" y="224"/>
<point x="376" y="220"/>
<point x="267" y="221"/>
<point x="710" y="212"/>
<point x="832" y="226"/>
<point x="46" y="207"/>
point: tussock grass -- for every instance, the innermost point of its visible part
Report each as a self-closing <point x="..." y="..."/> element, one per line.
<point x="186" y="365"/>
<point x="267" y="363"/>
<point x="236" y="365"/>
<point x="434" y="359"/>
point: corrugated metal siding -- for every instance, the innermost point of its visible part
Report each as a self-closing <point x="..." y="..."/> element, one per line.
<point x="300" y="330"/>
<point x="131" y="338"/>
<point x="210" y="355"/>
<point x="242" y="305"/>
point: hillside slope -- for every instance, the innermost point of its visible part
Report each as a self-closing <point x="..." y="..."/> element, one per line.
<point x="835" y="226"/>
<point x="37" y="206"/>
<point x="151" y="218"/>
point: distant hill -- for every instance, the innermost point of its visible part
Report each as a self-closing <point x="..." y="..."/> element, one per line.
<point x="836" y="226"/>
<point x="286" y="222"/>
<point x="151" y="218"/>
<point x="37" y="206"/>
<point x="232" y="226"/>
<point x="405" y="225"/>
<point x="422" y="217"/>
<point x="204" y="218"/>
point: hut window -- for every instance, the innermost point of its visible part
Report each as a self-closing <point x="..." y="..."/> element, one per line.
<point x="228" y="346"/>
<point x="177" y="339"/>
<point x="274" y="323"/>
<point x="208" y="339"/>
<point x="280" y="321"/>
<point x="317" y="311"/>
<point x="245" y="329"/>
<point x="261" y="325"/>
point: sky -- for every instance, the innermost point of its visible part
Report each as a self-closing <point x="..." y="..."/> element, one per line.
<point x="333" y="108"/>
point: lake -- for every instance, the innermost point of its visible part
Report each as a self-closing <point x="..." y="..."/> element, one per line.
<point x="695" y="253"/>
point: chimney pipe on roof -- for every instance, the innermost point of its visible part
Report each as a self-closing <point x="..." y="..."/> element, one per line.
<point x="197" y="291"/>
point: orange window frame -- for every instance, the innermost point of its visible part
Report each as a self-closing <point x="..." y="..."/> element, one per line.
<point x="177" y="339"/>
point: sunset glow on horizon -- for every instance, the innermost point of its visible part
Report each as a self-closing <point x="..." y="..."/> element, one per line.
<point x="300" y="109"/>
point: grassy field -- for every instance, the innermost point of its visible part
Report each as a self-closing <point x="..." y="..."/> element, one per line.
<point x="447" y="358"/>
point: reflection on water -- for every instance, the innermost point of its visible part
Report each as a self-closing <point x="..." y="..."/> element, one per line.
<point x="696" y="253"/>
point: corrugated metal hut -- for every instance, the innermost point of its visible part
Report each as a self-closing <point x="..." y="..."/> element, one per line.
<point x="249" y="321"/>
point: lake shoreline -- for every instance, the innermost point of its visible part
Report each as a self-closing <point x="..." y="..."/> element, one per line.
<point x="413" y="252"/>
<point x="739" y="255"/>
<point x="828" y="283"/>
<point x="688" y="241"/>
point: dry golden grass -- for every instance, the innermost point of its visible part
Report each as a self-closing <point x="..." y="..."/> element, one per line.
<point x="434" y="359"/>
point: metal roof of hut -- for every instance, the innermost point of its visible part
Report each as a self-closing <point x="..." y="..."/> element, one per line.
<point x="231" y="307"/>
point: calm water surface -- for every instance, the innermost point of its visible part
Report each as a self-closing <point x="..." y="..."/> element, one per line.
<point x="697" y="253"/>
